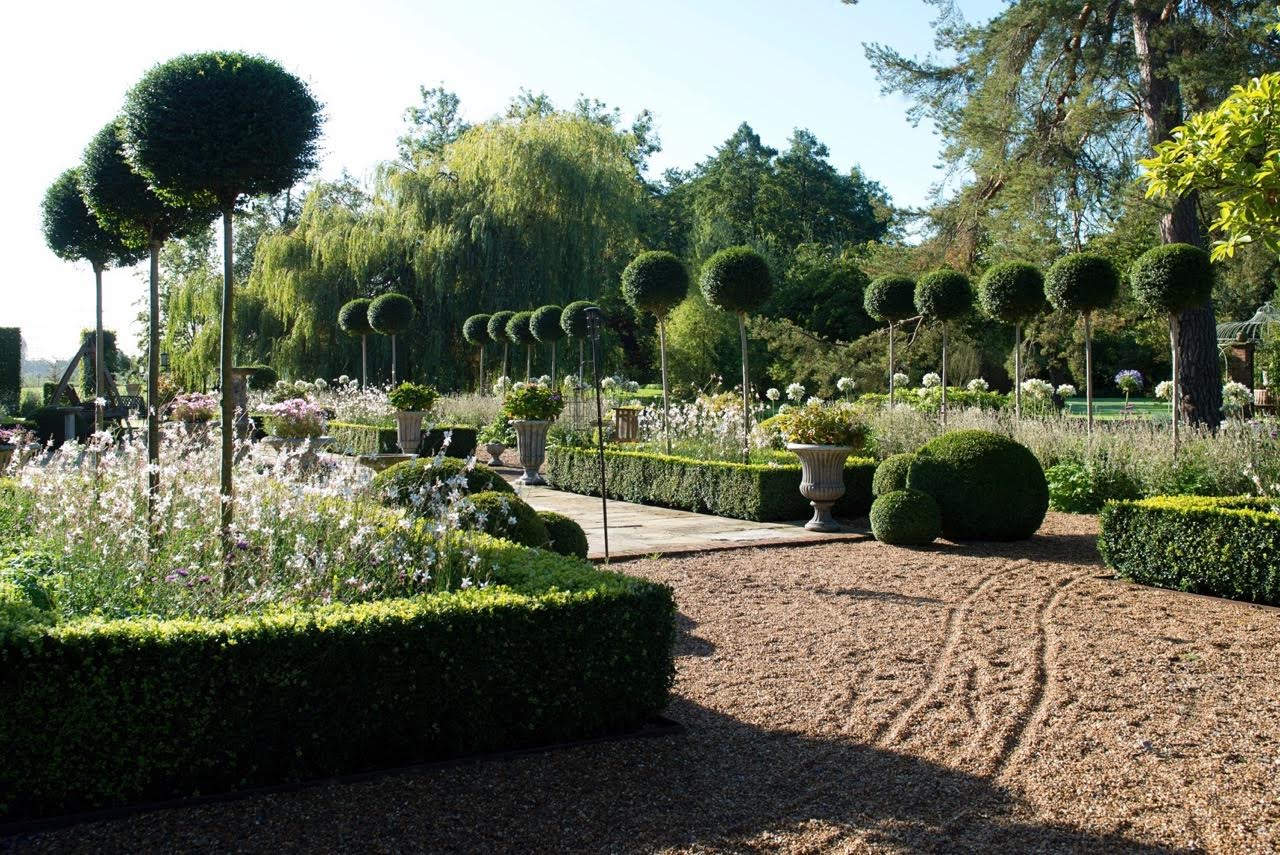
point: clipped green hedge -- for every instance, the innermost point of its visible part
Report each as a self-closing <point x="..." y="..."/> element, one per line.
<point x="10" y="369"/>
<point x="351" y="438"/>
<point x="99" y="713"/>
<point x="1227" y="547"/>
<point x="740" y="490"/>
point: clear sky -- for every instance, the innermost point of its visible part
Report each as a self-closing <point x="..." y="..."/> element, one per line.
<point x="702" y="67"/>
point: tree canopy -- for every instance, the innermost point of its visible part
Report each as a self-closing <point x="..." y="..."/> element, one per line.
<point x="73" y="232"/>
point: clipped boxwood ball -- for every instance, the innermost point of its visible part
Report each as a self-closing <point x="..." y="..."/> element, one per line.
<point x="943" y="295"/>
<point x="518" y="330"/>
<point x="545" y="324"/>
<point x="891" y="474"/>
<point x="1082" y="282"/>
<point x="890" y="298"/>
<point x="566" y="536"/>
<point x="1012" y="292"/>
<point x="391" y="314"/>
<point x="507" y="516"/>
<point x="497" y="325"/>
<point x="906" y="518"/>
<point x="353" y="317"/>
<point x="399" y="485"/>
<point x="263" y="378"/>
<point x="475" y="329"/>
<point x="1173" y="277"/>
<point x="737" y="280"/>
<point x="988" y="486"/>
<point x="655" y="282"/>
<point x="573" y="320"/>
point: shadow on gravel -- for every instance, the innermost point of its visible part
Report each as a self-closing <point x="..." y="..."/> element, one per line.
<point x="1079" y="550"/>
<point x="688" y="644"/>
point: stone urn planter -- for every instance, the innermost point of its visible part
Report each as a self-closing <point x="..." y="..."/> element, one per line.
<point x="531" y="442"/>
<point x="626" y="421"/>
<point x="409" y="430"/>
<point x="494" y="450"/>
<point x="821" y="480"/>
<point x="309" y="446"/>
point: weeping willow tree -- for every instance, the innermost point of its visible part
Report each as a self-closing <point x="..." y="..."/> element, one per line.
<point x="541" y="209"/>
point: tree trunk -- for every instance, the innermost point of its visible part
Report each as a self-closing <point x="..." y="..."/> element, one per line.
<point x="944" y="374"/>
<point x="153" y="387"/>
<point x="1088" y="368"/>
<point x="746" y="390"/>
<point x="480" y="382"/>
<point x="553" y="365"/>
<point x="666" y="397"/>
<point x="580" y="362"/>
<point x="891" y="365"/>
<point x="1017" y="370"/>
<point x="505" y="352"/>
<point x="393" y="359"/>
<point x="528" y="362"/>
<point x="97" y="353"/>
<point x="1160" y="100"/>
<point x="227" y="489"/>
<point x="1175" y="410"/>
<point x="364" y="361"/>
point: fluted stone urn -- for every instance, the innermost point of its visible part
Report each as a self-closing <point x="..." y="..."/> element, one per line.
<point x="531" y="444"/>
<point x="409" y="430"/>
<point x="821" y="480"/>
<point x="494" y="450"/>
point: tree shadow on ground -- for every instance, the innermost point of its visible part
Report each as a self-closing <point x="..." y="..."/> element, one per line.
<point x="688" y="644"/>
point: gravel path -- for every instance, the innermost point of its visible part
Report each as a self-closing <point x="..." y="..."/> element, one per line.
<point x="858" y="697"/>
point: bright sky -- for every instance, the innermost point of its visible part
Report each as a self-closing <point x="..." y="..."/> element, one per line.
<point x="702" y="66"/>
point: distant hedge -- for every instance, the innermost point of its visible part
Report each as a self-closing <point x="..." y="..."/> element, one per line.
<point x="99" y="712"/>
<point x="350" y="438"/>
<point x="10" y="369"/>
<point x="1227" y="547"/>
<point x="739" y="490"/>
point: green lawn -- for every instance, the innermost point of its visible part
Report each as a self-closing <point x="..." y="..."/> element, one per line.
<point x="1113" y="408"/>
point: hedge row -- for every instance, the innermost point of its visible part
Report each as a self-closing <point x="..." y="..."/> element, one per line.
<point x="740" y="490"/>
<point x="10" y="369"/>
<point x="350" y="438"/>
<point x="1225" y="547"/>
<point x="99" y="713"/>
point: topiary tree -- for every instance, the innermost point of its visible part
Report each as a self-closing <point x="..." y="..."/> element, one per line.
<point x="497" y="329"/>
<point x="737" y="280"/>
<point x="890" y="299"/>
<point x="891" y="474"/>
<point x="1173" y="278"/>
<point x="656" y="282"/>
<point x="545" y="326"/>
<point x="213" y="128"/>
<point x="475" y="331"/>
<point x="944" y="295"/>
<point x="1083" y="283"/>
<point x="905" y="518"/>
<point x="74" y="234"/>
<point x="391" y="314"/>
<point x="573" y="320"/>
<point x="353" y="319"/>
<point x="565" y="536"/>
<point x="1013" y="292"/>
<point x="987" y="486"/>
<point x="519" y="332"/>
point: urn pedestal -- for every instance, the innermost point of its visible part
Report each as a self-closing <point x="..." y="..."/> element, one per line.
<point x="409" y="430"/>
<point x="821" y="480"/>
<point x="531" y="443"/>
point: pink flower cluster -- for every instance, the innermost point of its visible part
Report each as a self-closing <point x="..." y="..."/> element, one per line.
<point x="296" y="419"/>
<point x="193" y="407"/>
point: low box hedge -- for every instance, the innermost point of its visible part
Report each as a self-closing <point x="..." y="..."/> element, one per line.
<point x="1227" y="547"/>
<point x="99" y="712"/>
<point x="747" y="491"/>
<point x="350" y="438"/>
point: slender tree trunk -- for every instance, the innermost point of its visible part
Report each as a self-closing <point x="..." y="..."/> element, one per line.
<point x="528" y="362"/>
<point x="666" y="397"/>
<point x="480" y="382"/>
<point x="1088" y="369"/>
<point x="580" y="362"/>
<point x="553" y="365"/>
<point x="227" y="488"/>
<point x="1017" y="370"/>
<point x="393" y="359"/>
<point x="1174" y="349"/>
<point x="98" y="367"/>
<point x="944" y="374"/>
<point x="746" y="390"/>
<point x="505" y="346"/>
<point x="153" y="387"/>
<point x="364" y="361"/>
<point x="891" y="365"/>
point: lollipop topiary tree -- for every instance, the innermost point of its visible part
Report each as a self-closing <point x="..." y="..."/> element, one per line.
<point x="475" y="331"/>
<point x="737" y="280"/>
<point x="1013" y="293"/>
<point x="944" y="295"/>
<point x="656" y="282"/>
<point x="519" y="332"/>
<point x="545" y="326"/>
<point x="573" y="320"/>
<point x="890" y="299"/>
<point x="353" y="319"/>
<point x="391" y="314"/>
<point x="1173" y="278"/>
<point x="497" y="329"/>
<point x="74" y="234"/>
<point x="1083" y="283"/>
<point x="213" y="128"/>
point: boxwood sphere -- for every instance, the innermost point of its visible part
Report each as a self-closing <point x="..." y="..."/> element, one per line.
<point x="988" y="486"/>
<point x="943" y="295"/>
<point x="737" y="280"/>
<point x="566" y="536"/>
<point x="391" y="313"/>
<point x="399" y="484"/>
<point x="353" y="317"/>
<point x="891" y="474"/>
<point x="1082" y="282"/>
<point x="906" y="518"/>
<point x="497" y="326"/>
<point x="507" y="516"/>
<point x="263" y="378"/>
<point x="545" y="324"/>
<point x="1012" y="292"/>
<point x="573" y="320"/>
<point x="475" y="329"/>
<point x="1173" y="277"/>
<point x="518" y="330"/>
<point x="655" y="282"/>
<point x="890" y="298"/>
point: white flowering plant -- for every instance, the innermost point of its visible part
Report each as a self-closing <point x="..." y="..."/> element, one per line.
<point x="931" y="380"/>
<point x="977" y="384"/>
<point x="795" y="392"/>
<point x="1066" y="390"/>
<point x="1235" y="397"/>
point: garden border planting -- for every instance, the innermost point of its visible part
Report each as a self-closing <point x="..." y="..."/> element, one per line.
<point x="1226" y="547"/>
<point x="747" y="491"/>
<point x="351" y="438"/>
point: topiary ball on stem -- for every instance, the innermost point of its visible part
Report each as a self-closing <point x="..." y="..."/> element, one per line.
<point x="573" y="320"/>
<point x="1173" y="277"/>
<point x="891" y="474"/>
<point x="943" y="295"/>
<point x="905" y="518"/>
<point x="988" y="486"/>
<point x="566" y="536"/>
<point x="497" y="326"/>
<point x="655" y="282"/>
<point x="1082" y="282"/>
<point x="1012" y="292"/>
<point x="353" y="317"/>
<point x="391" y="314"/>
<point x="545" y="324"/>
<point x="475" y="330"/>
<point x="518" y="329"/>
<point x="890" y="299"/>
<point x="737" y="280"/>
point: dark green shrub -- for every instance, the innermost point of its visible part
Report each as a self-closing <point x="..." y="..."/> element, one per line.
<point x="655" y="282"/>
<point x="1080" y="489"/>
<point x="988" y="486"/>
<point x="115" y="361"/>
<point x="475" y="330"/>
<point x="518" y="329"/>
<point x="890" y="298"/>
<point x="943" y="295"/>
<point x="391" y="314"/>
<point x="263" y="378"/>
<point x="891" y="474"/>
<point x="49" y="425"/>
<point x="1012" y="292"/>
<point x="10" y="369"/>
<point x="351" y="438"/>
<point x="905" y="518"/>
<point x="564" y="535"/>
<point x="1173" y="277"/>
<point x="573" y="320"/>
<point x="503" y="514"/>
<point x="1227" y="547"/>
<point x="1082" y="282"/>
<point x="399" y="484"/>
<point x="737" y="280"/>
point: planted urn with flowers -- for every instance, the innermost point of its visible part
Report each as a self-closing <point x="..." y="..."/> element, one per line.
<point x="532" y="407"/>
<point x="194" y="411"/>
<point x="413" y="403"/>
<point x="297" y="425"/>
<point x="822" y="436"/>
